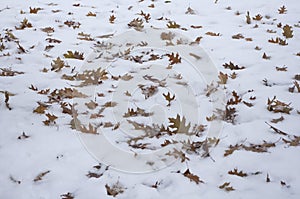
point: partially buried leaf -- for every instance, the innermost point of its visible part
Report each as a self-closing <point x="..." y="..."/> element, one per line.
<point x="40" y="176"/>
<point x="91" y="104"/>
<point x="58" y="64"/>
<point x="192" y="177"/>
<point x="75" y="55"/>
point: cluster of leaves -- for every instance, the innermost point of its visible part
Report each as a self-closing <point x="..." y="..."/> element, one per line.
<point x="98" y="171"/>
<point x="58" y="64"/>
<point x="226" y="186"/>
<point x="9" y="72"/>
<point x="51" y="119"/>
<point x="279" y="41"/>
<point x="114" y="189"/>
<point x="229" y="113"/>
<point x="257" y="148"/>
<point x="85" y="36"/>
<point x="200" y="147"/>
<point x="291" y="140"/>
<point x="296" y="85"/>
<point x="148" y="91"/>
<point x="72" y="24"/>
<point x="176" y="126"/>
<point x="146" y="16"/>
<point x="56" y="96"/>
<point x="137" y="24"/>
<point x="138" y="112"/>
<point x="88" y="77"/>
<point x="277" y="106"/>
<point x="24" y="24"/>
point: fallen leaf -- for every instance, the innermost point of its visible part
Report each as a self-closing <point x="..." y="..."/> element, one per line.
<point x="40" y="176"/>
<point x="192" y="177"/>
<point x="75" y="55"/>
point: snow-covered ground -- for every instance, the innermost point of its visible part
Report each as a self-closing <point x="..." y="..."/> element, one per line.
<point x="53" y="126"/>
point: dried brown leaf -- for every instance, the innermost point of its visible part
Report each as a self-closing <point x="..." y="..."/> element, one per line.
<point x="192" y="177"/>
<point x="231" y="66"/>
<point x="40" y="176"/>
<point x="237" y="173"/>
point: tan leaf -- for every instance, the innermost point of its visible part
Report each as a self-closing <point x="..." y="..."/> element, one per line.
<point x="40" y="109"/>
<point x="40" y="176"/>
<point x="126" y="77"/>
<point x="226" y="186"/>
<point x="48" y="30"/>
<point x="192" y="177"/>
<point x="58" y="64"/>
<point x="114" y="190"/>
<point x="91" y="14"/>
<point x="287" y="31"/>
<point x="137" y="24"/>
<point x="223" y="78"/>
<point x="213" y="34"/>
<point x="75" y="55"/>
<point x="91" y="104"/>
<point x="277" y="120"/>
<point x="178" y="154"/>
<point x="173" y="24"/>
<point x="90" y="129"/>
<point x="179" y="125"/>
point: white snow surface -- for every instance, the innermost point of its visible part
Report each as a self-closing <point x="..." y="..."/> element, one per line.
<point x="58" y="149"/>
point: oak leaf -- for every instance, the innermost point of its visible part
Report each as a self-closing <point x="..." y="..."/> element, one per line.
<point x="75" y="55"/>
<point x="192" y="177"/>
<point x="40" y="176"/>
<point x="169" y="98"/>
<point x="179" y="125"/>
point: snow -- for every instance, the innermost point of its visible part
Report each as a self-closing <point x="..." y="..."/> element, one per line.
<point x="70" y="155"/>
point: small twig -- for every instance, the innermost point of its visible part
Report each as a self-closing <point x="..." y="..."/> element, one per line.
<point x="5" y="8"/>
<point x="277" y="130"/>
<point x="6" y="94"/>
